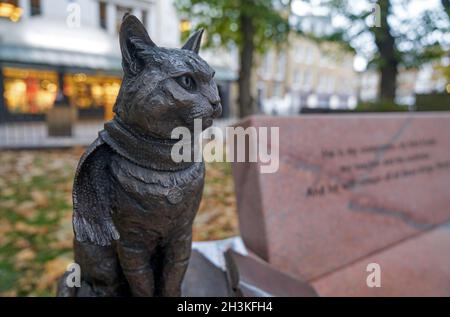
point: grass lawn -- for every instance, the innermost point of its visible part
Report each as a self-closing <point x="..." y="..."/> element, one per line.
<point x="36" y="209"/>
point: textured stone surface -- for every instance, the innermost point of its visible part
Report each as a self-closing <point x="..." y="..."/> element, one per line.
<point x="308" y="220"/>
<point x="419" y="266"/>
<point x="203" y="278"/>
<point x="249" y="276"/>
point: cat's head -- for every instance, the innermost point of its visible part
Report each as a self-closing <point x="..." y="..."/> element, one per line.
<point x="163" y="88"/>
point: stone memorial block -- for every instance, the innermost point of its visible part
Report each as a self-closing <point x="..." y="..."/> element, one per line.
<point x="249" y="276"/>
<point x="204" y="279"/>
<point x="347" y="186"/>
<point x="419" y="266"/>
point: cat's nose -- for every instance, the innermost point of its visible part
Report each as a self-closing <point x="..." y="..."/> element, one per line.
<point x="217" y="108"/>
<point x="215" y="103"/>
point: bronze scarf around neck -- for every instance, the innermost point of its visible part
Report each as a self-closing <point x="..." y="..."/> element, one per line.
<point x="149" y="153"/>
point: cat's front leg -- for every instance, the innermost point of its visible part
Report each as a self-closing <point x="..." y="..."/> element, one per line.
<point x="100" y="270"/>
<point x="135" y="260"/>
<point x="175" y="261"/>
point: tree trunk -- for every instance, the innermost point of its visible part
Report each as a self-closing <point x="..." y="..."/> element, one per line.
<point x="446" y="5"/>
<point x="246" y="101"/>
<point x="388" y="55"/>
<point x="388" y="80"/>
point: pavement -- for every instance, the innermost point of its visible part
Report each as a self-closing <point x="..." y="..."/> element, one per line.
<point x="34" y="135"/>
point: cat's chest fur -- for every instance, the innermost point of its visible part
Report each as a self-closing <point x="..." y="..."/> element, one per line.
<point x="145" y="182"/>
<point x="144" y="193"/>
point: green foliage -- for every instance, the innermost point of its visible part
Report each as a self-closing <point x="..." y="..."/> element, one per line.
<point x="433" y="102"/>
<point x="418" y="38"/>
<point x="380" y="107"/>
<point x="222" y="20"/>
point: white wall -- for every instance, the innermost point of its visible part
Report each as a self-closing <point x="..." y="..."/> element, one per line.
<point x="50" y="28"/>
<point x="165" y="24"/>
<point x="58" y="10"/>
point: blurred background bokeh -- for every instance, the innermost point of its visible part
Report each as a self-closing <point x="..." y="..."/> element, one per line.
<point x="60" y="71"/>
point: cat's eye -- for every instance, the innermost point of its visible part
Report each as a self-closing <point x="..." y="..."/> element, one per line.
<point x="186" y="81"/>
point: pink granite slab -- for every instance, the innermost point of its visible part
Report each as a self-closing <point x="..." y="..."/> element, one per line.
<point x="308" y="220"/>
<point x="419" y="266"/>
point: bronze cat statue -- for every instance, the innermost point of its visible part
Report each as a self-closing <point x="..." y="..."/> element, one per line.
<point x="133" y="205"/>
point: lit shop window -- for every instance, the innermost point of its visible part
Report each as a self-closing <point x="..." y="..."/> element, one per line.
<point x="185" y="26"/>
<point x="29" y="90"/>
<point x="91" y="91"/>
<point x="10" y="10"/>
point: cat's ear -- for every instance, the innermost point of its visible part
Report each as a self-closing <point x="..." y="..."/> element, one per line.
<point x="193" y="43"/>
<point x="133" y="39"/>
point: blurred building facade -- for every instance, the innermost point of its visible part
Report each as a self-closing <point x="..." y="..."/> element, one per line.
<point x="70" y="47"/>
<point x="427" y="79"/>
<point x="306" y="74"/>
